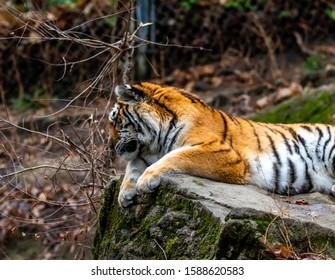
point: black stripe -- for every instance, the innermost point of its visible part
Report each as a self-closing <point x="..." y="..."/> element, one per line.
<point x="172" y="113"/>
<point x="305" y="188"/>
<point x="171" y="126"/>
<point x="163" y="97"/>
<point x="303" y="142"/>
<point x="276" y="165"/>
<point x="271" y="129"/>
<point x="225" y="150"/>
<point x="141" y="126"/>
<point x="287" y="144"/>
<point x="230" y="141"/>
<point x="147" y="164"/>
<point x="309" y="185"/>
<point x="318" y="144"/>
<point x="326" y="144"/>
<point x="173" y="139"/>
<point x="277" y="178"/>
<point x="225" y="127"/>
<point x="308" y="128"/>
<point x="296" y="147"/>
<point x="203" y="143"/>
<point x="159" y="140"/>
<point x="197" y="144"/>
<point x="145" y="126"/>
<point x="295" y="138"/>
<point x="234" y="120"/>
<point x="290" y="130"/>
<point x="331" y="152"/>
<point x="193" y="98"/>
<point x="130" y="118"/>
<point x="293" y="177"/>
<point x="273" y="147"/>
<point x="255" y="134"/>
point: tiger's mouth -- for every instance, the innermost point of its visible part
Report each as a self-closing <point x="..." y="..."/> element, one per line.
<point x="126" y="146"/>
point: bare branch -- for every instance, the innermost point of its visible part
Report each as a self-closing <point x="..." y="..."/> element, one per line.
<point x="43" y="166"/>
<point x="34" y="132"/>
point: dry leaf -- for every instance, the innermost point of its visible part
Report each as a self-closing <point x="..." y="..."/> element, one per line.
<point x="301" y="202"/>
<point x="263" y="102"/>
<point x="286" y="93"/>
<point x="282" y="252"/>
<point x="42" y="197"/>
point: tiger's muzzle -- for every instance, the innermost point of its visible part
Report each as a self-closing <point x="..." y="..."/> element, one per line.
<point x="127" y="147"/>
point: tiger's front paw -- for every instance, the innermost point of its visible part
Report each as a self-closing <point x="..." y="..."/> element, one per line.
<point x="126" y="196"/>
<point x="148" y="181"/>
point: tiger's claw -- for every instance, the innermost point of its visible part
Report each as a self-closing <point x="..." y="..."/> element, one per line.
<point x="125" y="197"/>
<point x="148" y="182"/>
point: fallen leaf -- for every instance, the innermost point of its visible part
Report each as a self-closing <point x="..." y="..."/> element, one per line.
<point x="301" y="202"/>
<point x="282" y="252"/>
<point x="286" y="93"/>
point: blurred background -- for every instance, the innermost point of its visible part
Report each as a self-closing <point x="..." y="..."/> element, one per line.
<point x="60" y="60"/>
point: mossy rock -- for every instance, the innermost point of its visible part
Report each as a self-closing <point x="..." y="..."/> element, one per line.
<point x="178" y="223"/>
<point x="313" y="106"/>
<point x="164" y="225"/>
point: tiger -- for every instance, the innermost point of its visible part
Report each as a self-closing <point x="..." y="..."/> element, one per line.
<point x="162" y="131"/>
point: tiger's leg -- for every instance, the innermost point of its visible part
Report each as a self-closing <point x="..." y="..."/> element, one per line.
<point x="217" y="162"/>
<point x="134" y="170"/>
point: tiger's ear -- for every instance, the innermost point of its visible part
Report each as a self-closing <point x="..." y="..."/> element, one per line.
<point x="129" y="95"/>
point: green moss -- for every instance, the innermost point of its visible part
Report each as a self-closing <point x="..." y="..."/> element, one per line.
<point x="108" y="221"/>
<point x="311" y="107"/>
<point x="168" y="225"/>
<point x="165" y="218"/>
<point x="182" y="204"/>
<point x="206" y="228"/>
<point x="198" y="183"/>
<point x="320" y="244"/>
<point x="262" y="225"/>
<point x="240" y="240"/>
<point x="252" y="235"/>
<point x="171" y="247"/>
<point x="211" y="232"/>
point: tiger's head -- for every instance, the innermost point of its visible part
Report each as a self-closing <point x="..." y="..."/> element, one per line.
<point x="135" y="120"/>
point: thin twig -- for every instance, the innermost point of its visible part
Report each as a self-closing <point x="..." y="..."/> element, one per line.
<point x="48" y="136"/>
<point x="27" y="169"/>
<point x="160" y="247"/>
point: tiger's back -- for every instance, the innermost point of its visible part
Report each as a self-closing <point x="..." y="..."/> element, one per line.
<point x="176" y="132"/>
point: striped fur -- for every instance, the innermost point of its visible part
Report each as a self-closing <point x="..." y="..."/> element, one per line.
<point x="164" y="130"/>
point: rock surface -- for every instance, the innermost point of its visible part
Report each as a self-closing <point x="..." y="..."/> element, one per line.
<point x="195" y="218"/>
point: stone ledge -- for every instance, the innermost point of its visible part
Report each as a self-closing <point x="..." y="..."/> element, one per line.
<point x="195" y="218"/>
